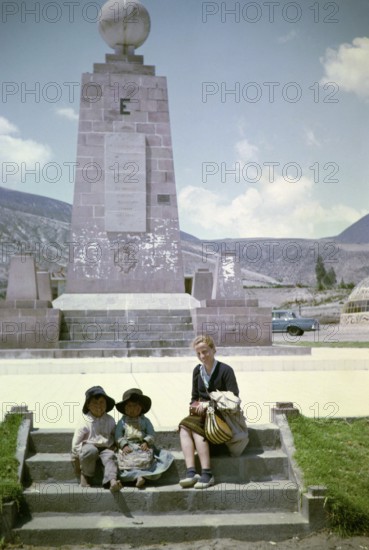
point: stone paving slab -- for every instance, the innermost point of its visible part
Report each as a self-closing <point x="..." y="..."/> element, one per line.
<point x="174" y="528"/>
<point x="262" y="465"/>
<point x="276" y="495"/>
<point x="317" y="384"/>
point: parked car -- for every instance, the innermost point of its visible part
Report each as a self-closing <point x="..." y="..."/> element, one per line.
<point x="284" y="320"/>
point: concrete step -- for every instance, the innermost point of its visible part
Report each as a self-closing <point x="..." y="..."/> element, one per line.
<point x="262" y="436"/>
<point x="253" y="466"/>
<point x="273" y="496"/>
<point x="129" y="314"/>
<point x="128" y="324"/>
<point x="150" y="324"/>
<point x="124" y="528"/>
<point x="141" y="347"/>
<point x="67" y="350"/>
<point x="132" y="329"/>
<point x="72" y="349"/>
<point x="108" y="332"/>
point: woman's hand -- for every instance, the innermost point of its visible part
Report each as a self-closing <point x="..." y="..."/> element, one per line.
<point x="144" y="446"/>
<point x="201" y="408"/>
<point x="126" y="450"/>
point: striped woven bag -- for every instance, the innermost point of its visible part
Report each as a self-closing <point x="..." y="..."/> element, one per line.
<point x="217" y="430"/>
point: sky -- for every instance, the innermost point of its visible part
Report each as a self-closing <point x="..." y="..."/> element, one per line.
<point x="268" y="105"/>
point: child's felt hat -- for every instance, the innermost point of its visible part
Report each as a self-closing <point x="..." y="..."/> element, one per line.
<point x="96" y="391"/>
<point x="134" y="394"/>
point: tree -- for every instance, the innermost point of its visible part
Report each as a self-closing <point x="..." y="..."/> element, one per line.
<point x="324" y="278"/>
<point x="320" y="272"/>
<point x="330" y="278"/>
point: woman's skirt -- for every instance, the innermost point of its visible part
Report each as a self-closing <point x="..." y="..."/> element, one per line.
<point x="195" y="423"/>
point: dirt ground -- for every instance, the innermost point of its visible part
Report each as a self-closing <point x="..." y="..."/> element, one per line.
<point x="318" y="541"/>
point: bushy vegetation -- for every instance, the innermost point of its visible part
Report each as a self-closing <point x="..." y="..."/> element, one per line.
<point x="327" y="278"/>
<point x="334" y="453"/>
<point x="10" y="487"/>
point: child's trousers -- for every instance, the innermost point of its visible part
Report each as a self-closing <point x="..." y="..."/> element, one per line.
<point x="88" y="458"/>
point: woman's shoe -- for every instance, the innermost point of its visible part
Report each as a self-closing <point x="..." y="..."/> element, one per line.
<point x="204" y="484"/>
<point x="189" y="481"/>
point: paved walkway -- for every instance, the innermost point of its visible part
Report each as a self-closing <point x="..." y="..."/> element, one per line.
<point x="330" y="382"/>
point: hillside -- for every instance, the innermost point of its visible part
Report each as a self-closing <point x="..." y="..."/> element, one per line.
<point x="35" y="204"/>
<point x="287" y="261"/>
<point x="32" y="223"/>
<point x="358" y="232"/>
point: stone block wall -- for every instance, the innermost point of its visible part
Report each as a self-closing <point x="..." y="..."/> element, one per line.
<point x="125" y="229"/>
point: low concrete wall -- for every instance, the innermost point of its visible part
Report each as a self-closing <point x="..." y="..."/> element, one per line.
<point x="9" y="510"/>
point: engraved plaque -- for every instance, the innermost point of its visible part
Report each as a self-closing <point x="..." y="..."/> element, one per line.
<point x="125" y="182"/>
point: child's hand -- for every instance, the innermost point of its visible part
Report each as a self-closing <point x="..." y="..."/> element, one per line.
<point x="144" y="446"/>
<point x="126" y="450"/>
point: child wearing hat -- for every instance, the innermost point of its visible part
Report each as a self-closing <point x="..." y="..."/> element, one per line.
<point x="94" y="439"/>
<point x="138" y="459"/>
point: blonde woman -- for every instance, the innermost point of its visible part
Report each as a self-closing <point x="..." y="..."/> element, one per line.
<point x="208" y="376"/>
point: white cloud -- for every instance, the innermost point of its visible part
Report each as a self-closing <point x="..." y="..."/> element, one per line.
<point x="246" y="151"/>
<point x="349" y="67"/>
<point x="282" y="205"/>
<point x="311" y="138"/>
<point x="17" y="155"/>
<point x="23" y="150"/>
<point x="287" y="37"/>
<point x="68" y="113"/>
<point x="279" y="209"/>
<point x="7" y="127"/>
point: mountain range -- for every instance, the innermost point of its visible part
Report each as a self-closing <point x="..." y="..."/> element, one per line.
<point x="31" y="222"/>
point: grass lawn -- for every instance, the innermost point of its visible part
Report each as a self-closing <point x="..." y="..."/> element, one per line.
<point x="335" y="453"/>
<point x="332" y="344"/>
<point x="10" y="488"/>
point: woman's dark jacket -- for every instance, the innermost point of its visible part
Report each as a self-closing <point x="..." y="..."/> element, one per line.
<point x="223" y="379"/>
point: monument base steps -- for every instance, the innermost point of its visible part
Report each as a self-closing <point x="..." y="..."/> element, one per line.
<point x="253" y="498"/>
<point x="126" y="329"/>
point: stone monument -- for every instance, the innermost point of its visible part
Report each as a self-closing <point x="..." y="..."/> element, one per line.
<point x="125" y="229"/>
<point x="125" y="240"/>
<point x="125" y="280"/>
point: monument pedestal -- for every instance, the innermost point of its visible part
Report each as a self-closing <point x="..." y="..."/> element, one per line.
<point x="239" y="323"/>
<point x="144" y="324"/>
<point x="27" y="320"/>
<point x="226" y="314"/>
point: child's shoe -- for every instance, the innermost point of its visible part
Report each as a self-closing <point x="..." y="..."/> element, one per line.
<point x="115" y="485"/>
<point x="140" y="482"/>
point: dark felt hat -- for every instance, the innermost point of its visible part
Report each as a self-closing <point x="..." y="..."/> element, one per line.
<point x="96" y="391"/>
<point x="134" y="394"/>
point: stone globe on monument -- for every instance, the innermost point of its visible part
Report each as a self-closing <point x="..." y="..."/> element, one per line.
<point x="124" y="25"/>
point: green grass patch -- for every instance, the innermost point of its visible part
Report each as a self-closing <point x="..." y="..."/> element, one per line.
<point x="335" y="453"/>
<point x="10" y="487"/>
